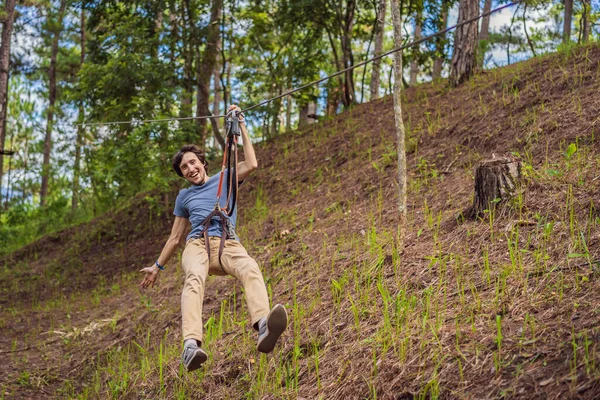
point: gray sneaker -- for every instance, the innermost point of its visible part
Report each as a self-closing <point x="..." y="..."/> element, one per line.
<point x="193" y="357"/>
<point x="270" y="328"/>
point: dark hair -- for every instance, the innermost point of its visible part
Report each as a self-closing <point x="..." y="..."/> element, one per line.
<point x="188" y="148"/>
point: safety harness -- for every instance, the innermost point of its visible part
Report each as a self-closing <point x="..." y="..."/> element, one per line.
<point x="230" y="160"/>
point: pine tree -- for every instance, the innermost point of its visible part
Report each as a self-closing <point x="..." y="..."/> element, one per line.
<point x="56" y="31"/>
<point x="568" y="21"/>
<point x="380" y="29"/>
<point x="400" y="132"/>
<point x="465" y="43"/>
<point x="7" y="28"/>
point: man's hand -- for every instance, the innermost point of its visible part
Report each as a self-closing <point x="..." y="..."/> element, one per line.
<point x="238" y="109"/>
<point x="151" y="275"/>
<point x="250" y="163"/>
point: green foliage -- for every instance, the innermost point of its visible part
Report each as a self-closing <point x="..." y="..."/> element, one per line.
<point x="571" y="149"/>
<point x="25" y="222"/>
<point x="143" y="61"/>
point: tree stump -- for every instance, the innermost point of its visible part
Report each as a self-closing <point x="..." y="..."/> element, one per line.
<point x="496" y="181"/>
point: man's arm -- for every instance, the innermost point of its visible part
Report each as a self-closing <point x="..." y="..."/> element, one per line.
<point x="250" y="163"/>
<point x="177" y="234"/>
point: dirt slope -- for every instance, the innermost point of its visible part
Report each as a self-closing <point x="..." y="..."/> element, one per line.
<point x="506" y="306"/>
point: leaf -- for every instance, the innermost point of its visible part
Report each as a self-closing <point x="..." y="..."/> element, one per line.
<point x="530" y="341"/>
<point x="576" y="255"/>
<point x="571" y="150"/>
<point x="546" y="381"/>
<point x="336" y="285"/>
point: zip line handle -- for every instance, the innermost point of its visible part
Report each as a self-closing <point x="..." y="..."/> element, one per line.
<point x="233" y="123"/>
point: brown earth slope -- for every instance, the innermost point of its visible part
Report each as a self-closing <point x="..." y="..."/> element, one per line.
<point x="504" y="306"/>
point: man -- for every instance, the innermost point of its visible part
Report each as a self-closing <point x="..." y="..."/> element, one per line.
<point x="193" y="205"/>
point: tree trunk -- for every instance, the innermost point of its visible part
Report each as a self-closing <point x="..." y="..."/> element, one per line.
<point x="51" y="104"/>
<point x="288" y="113"/>
<point x="217" y="133"/>
<point x="80" y="128"/>
<point x="414" y="62"/>
<point x="568" y="20"/>
<point x="338" y="63"/>
<point x="347" y="55"/>
<point x="340" y="27"/>
<point x="380" y="27"/>
<point x="188" y="22"/>
<point x="400" y="133"/>
<point x="306" y="111"/>
<point x="465" y="44"/>
<point x="484" y="32"/>
<point x="275" y="121"/>
<point x="364" y="71"/>
<point x="512" y="22"/>
<point x="7" y="27"/>
<point x="76" y="167"/>
<point x="217" y="74"/>
<point x="216" y="126"/>
<point x="174" y="39"/>
<point x="8" y="175"/>
<point x="496" y="181"/>
<point x="587" y="6"/>
<point x="334" y="95"/>
<point x="529" y="41"/>
<point x="207" y="67"/>
<point x="227" y="96"/>
<point x="440" y="43"/>
<point x="225" y="64"/>
<point x="217" y="93"/>
<point x="158" y="23"/>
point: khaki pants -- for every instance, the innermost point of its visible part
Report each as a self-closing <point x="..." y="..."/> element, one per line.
<point x="236" y="262"/>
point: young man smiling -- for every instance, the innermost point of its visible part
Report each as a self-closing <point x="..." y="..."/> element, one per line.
<point x="193" y="205"/>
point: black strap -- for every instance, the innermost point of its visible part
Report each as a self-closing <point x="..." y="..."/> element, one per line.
<point x="232" y="132"/>
<point x="224" y="231"/>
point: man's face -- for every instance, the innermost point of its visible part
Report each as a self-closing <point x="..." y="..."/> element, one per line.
<point x="192" y="169"/>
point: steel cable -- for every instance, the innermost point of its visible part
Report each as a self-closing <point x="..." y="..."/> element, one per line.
<point x="262" y="103"/>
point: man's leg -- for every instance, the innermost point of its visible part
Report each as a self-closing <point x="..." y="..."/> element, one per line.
<point x="194" y="262"/>
<point x="237" y="263"/>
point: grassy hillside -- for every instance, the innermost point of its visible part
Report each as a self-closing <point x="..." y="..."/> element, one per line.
<point x="504" y="306"/>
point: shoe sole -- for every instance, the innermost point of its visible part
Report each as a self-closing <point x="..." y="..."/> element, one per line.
<point x="276" y="324"/>
<point x="197" y="360"/>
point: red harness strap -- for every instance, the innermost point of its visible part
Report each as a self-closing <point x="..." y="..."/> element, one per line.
<point x="232" y="187"/>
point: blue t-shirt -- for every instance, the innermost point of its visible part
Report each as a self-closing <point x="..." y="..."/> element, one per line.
<point x="197" y="201"/>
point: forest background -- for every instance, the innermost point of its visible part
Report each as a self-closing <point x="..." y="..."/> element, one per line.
<point x="68" y="66"/>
